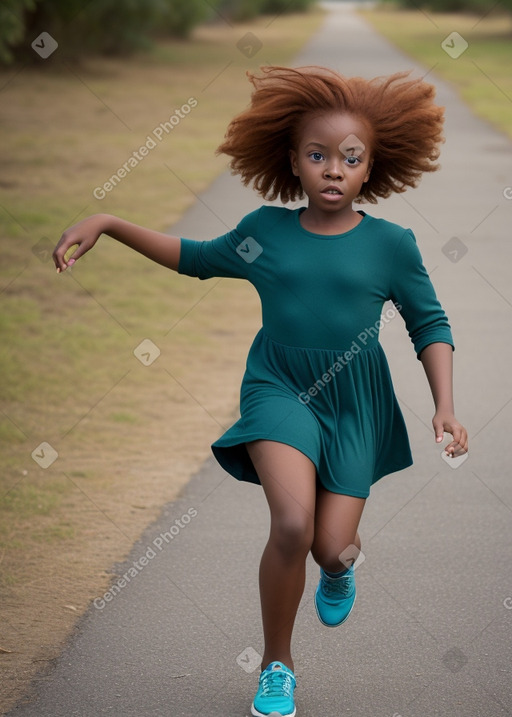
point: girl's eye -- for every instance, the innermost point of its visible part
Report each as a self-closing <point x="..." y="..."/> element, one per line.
<point x="316" y="156"/>
<point x="352" y="160"/>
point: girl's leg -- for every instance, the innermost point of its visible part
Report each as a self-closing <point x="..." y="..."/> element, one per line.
<point x="336" y="523"/>
<point x="288" y="478"/>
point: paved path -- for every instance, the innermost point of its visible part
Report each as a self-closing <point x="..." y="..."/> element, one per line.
<point x="431" y="631"/>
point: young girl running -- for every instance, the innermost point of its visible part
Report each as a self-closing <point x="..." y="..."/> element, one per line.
<point x="320" y="422"/>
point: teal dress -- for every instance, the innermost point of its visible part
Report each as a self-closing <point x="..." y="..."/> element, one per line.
<point x="317" y="377"/>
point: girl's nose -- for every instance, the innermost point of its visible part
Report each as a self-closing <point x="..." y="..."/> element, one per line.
<point x="334" y="170"/>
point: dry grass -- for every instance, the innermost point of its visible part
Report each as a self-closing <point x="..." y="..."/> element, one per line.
<point x="481" y="74"/>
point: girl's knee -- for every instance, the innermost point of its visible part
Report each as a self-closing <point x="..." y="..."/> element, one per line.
<point x="335" y="558"/>
<point x="292" y="534"/>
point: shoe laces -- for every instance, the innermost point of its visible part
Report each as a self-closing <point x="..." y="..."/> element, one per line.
<point x="337" y="587"/>
<point x="276" y="683"/>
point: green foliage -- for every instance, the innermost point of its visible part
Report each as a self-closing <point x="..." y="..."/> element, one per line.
<point x="180" y="17"/>
<point x="278" y="7"/>
<point x="479" y="6"/>
<point x="12" y="25"/>
<point x="105" y="26"/>
<point x="117" y="26"/>
<point x="241" y="10"/>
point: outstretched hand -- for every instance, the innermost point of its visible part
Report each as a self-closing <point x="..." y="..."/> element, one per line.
<point x="83" y="235"/>
<point x="448" y="423"/>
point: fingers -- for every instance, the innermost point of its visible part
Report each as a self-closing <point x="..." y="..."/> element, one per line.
<point x="59" y="253"/>
<point x="455" y="449"/>
<point x="67" y="251"/>
<point x="438" y="429"/>
<point x="459" y="444"/>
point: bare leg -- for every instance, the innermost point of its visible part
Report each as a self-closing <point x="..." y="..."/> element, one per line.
<point x="288" y="478"/>
<point x="336" y="523"/>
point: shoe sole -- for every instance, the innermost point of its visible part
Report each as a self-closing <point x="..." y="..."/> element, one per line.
<point x="326" y="624"/>
<point x="256" y="713"/>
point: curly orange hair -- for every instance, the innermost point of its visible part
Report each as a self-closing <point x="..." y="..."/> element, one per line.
<point x="405" y="123"/>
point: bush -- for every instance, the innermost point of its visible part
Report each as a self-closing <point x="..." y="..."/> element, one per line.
<point x="12" y="26"/>
<point x="278" y="7"/>
<point x="105" y="26"/>
<point x="180" y="18"/>
<point x="115" y="26"/>
<point x="239" y="10"/>
<point x="478" y="6"/>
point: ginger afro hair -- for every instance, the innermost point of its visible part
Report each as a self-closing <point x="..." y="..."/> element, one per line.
<point x="405" y="124"/>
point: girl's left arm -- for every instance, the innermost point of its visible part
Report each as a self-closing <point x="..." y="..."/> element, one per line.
<point x="437" y="361"/>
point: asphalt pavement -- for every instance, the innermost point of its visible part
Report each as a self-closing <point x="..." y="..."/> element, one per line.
<point x="430" y="634"/>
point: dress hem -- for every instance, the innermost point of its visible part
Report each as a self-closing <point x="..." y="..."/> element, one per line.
<point x="218" y="450"/>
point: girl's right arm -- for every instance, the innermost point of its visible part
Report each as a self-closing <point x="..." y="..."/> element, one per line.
<point x="159" y="247"/>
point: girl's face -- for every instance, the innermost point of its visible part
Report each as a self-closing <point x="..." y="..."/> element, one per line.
<point x="332" y="160"/>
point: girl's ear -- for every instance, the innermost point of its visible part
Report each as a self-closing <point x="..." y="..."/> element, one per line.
<point x="293" y="161"/>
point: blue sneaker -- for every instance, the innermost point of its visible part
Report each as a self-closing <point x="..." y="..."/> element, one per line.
<point x="275" y="692"/>
<point x="335" y="598"/>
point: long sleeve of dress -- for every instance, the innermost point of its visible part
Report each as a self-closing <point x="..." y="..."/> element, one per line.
<point x="229" y="255"/>
<point x="415" y="297"/>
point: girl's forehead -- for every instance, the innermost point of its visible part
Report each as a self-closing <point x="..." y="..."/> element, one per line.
<point x="334" y="127"/>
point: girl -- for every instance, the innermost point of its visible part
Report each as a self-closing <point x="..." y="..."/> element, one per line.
<point x="320" y="422"/>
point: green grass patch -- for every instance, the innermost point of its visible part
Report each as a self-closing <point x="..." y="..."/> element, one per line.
<point x="28" y="499"/>
<point x="481" y="73"/>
